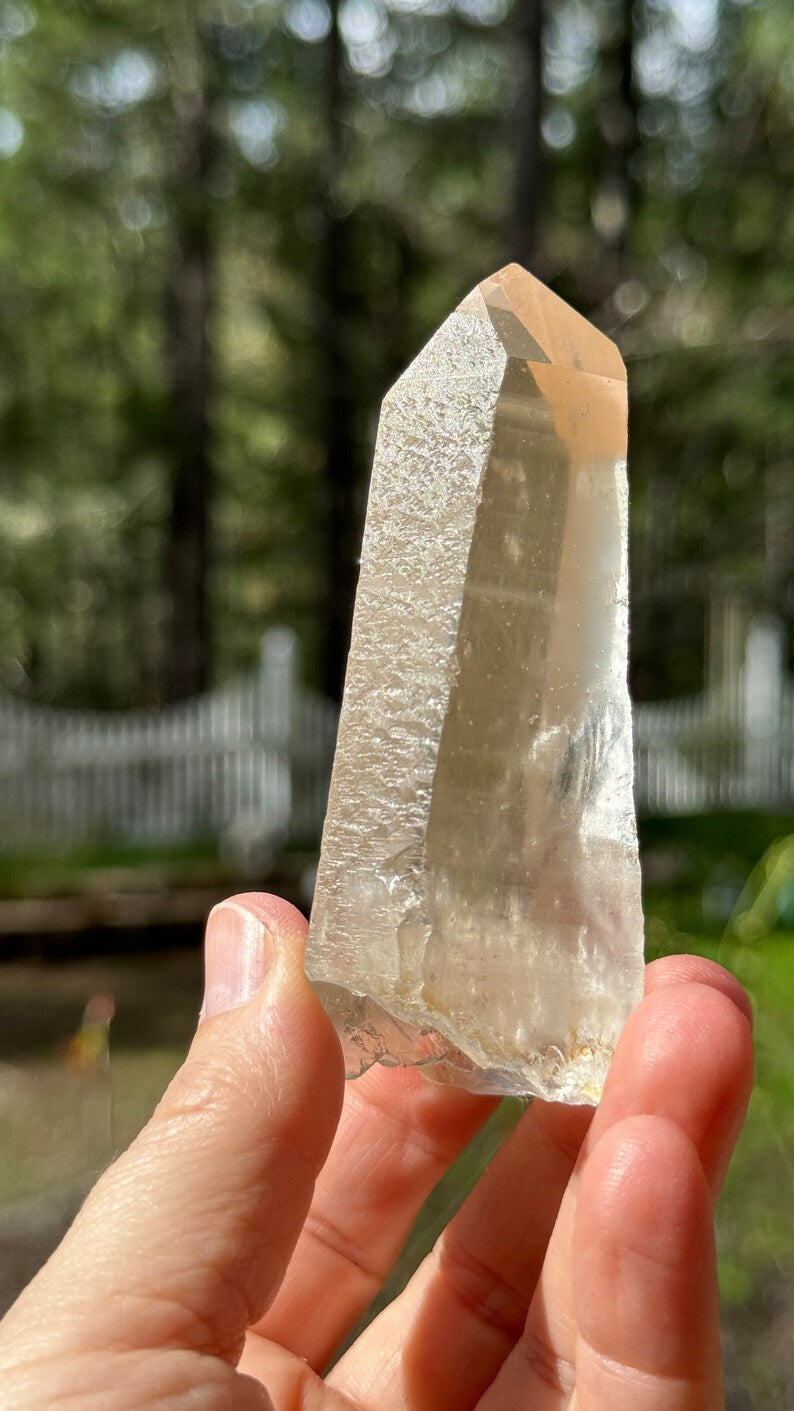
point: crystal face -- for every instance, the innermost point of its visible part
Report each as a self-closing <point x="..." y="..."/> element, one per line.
<point x="477" y="906"/>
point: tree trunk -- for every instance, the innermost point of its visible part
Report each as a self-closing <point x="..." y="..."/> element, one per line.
<point x="528" y="171"/>
<point x="341" y="469"/>
<point x="616" y="198"/>
<point x="188" y="311"/>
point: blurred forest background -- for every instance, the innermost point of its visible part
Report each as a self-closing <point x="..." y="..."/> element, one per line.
<point x="226" y="227"/>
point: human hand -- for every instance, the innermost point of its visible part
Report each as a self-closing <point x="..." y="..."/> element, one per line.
<point x="212" y="1261"/>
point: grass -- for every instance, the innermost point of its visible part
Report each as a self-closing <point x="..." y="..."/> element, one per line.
<point x="29" y="873"/>
<point x="60" y="1129"/>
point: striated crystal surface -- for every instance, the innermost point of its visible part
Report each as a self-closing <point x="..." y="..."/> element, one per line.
<point x="477" y="906"/>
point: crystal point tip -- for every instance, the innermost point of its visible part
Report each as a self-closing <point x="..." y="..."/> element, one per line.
<point x="562" y="334"/>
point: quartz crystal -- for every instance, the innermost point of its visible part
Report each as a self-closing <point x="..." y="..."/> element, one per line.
<point x="477" y="907"/>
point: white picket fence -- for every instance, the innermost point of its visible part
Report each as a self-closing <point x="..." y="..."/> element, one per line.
<point x="695" y="755"/>
<point x="733" y="748"/>
<point x="250" y="763"/>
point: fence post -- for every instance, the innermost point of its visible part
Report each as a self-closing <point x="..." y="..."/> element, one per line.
<point x="280" y="667"/>
<point x="280" y="661"/>
<point x="762" y="708"/>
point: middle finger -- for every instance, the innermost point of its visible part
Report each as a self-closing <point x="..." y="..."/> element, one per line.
<point x="444" y="1339"/>
<point x="397" y="1136"/>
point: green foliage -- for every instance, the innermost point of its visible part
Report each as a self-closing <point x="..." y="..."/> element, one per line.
<point x="667" y="218"/>
<point x="697" y="868"/>
<point x="747" y="861"/>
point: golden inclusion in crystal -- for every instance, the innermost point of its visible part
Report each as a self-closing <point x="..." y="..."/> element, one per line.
<point x="477" y="906"/>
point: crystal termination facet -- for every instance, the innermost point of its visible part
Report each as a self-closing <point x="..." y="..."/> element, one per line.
<point x="477" y="906"/>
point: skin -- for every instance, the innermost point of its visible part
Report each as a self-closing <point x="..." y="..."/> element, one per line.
<point x="221" y="1261"/>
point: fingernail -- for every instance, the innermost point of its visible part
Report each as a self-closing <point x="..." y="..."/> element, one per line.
<point x="237" y="956"/>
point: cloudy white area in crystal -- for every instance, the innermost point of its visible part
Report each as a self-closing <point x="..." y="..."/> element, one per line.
<point x="478" y="905"/>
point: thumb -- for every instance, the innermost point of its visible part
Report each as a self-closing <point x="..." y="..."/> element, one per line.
<point x="184" y="1241"/>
